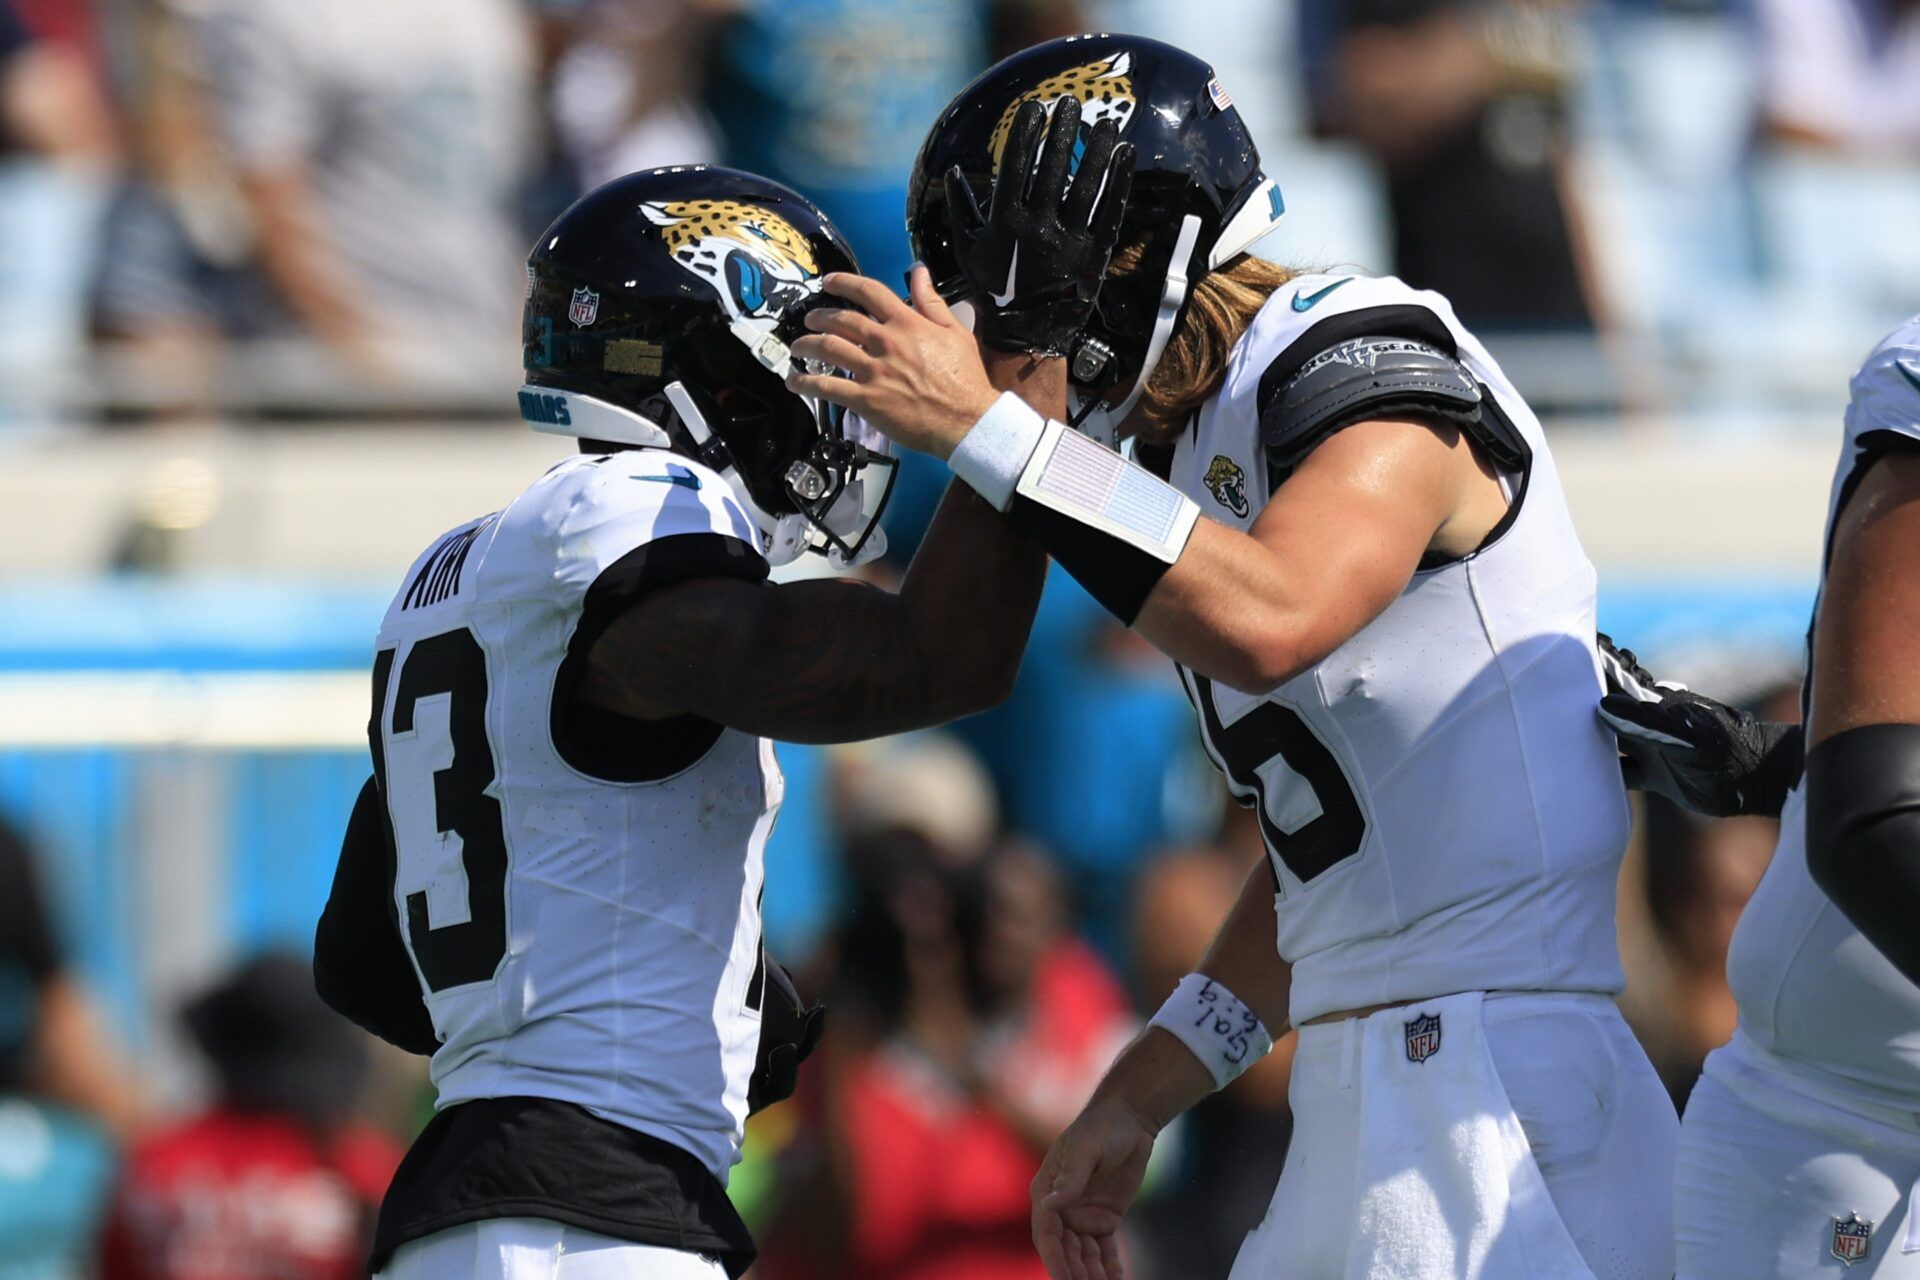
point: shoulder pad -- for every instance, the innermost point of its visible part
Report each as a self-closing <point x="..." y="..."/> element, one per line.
<point x="647" y="495"/>
<point x="589" y="514"/>
<point x="1365" y="377"/>
<point x="1884" y="409"/>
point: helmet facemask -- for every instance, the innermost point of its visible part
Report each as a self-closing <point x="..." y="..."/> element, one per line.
<point x="812" y="477"/>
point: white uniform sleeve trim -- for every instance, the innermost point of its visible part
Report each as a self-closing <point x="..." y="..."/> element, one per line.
<point x="996" y="449"/>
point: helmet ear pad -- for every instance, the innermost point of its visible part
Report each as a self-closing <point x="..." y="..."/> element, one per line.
<point x="763" y="425"/>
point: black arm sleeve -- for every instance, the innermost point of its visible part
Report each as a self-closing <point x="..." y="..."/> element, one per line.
<point x="26" y="935"/>
<point x="1863" y="834"/>
<point x="604" y="744"/>
<point x="360" y="965"/>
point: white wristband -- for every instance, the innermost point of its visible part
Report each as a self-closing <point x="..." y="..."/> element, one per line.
<point x="996" y="449"/>
<point x="1211" y="1021"/>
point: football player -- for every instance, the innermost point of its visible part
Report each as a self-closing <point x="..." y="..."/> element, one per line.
<point x="1800" y="1151"/>
<point x="1344" y="526"/>
<point x="552" y="882"/>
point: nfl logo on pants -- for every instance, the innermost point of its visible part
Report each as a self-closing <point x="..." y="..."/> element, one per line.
<point x="1423" y="1037"/>
<point x="1852" y="1236"/>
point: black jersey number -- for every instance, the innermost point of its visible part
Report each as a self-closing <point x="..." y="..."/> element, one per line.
<point x="1270" y="730"/>
<point x="452" y="664"/>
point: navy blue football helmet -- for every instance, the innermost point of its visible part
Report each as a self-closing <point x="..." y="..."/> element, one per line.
<point x="1199" y="198"/>
<point x="659" y="311"/>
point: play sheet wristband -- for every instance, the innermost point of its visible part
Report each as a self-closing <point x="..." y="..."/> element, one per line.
<point x="1116" y="527"/>
<point x="1211" y="1021"/>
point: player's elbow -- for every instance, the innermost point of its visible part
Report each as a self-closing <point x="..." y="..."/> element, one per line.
<point x="1258" y="668"/>
<point x="1263" y="655"/>
<point x="981" y="685"/>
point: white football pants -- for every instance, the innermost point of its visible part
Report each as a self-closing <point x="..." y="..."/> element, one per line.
<point x="537" y="1249"/>
<point x="1512" y="1137"/>
<point x="1778" y="1177"/>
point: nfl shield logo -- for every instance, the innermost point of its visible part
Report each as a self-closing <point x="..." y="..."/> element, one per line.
<point x="584" y="309"/>
<point x="1423" y="1037"/>
<point x="1852" y="1237"/>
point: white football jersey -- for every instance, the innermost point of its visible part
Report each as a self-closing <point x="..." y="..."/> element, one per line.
<point x="580" y="895"/>
<point x="1442" y="805"/>
<point x="1812" y="991"/>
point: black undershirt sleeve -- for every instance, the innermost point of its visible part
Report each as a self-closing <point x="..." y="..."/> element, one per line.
<point x="26" y="935"/>
<point x="612" y="747"/>
<point x="360" y="965"/>
<point x="1863" y="834"/>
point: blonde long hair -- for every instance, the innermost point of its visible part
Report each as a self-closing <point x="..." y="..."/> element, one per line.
<point x="1219" y="310"/>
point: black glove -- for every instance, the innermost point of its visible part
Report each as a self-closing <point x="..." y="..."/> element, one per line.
<point x="1036" y="259"/>
<point x="1701" y="754"/>
<point x="789" y="1030"/>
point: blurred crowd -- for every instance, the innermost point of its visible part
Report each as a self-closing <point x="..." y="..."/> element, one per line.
<point x="275" y="207"/>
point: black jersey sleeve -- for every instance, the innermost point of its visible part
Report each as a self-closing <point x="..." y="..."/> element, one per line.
<point x="360" y="964"/>
<point x="26" y="935"/>
<point x="604" y="744"/>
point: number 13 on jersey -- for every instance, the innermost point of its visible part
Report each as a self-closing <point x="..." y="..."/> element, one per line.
<point x="435" y="766"/>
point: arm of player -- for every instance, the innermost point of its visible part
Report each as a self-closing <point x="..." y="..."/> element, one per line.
<point x="360" y="965"/>
<point x="838" y="661"/>
<point x="1335" y="546"/>
<point x="1863" y="762"/>
<point x="834" y="661"/>
<point x="1703" y="755"/>
<point x="1093" y="1171"/>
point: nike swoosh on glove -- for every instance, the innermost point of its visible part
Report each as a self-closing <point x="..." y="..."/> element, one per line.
<point x="1036" y="259"/>
<point x="1702" y="755"/>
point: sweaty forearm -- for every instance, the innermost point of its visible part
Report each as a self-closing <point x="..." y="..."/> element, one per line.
<point x="1245" y="955"/>
<point x="969" y="600"/>
<point x="1226" y="611"/>
<point x="1156" y="1078"/>
<point x="1863" y="834"/>
<point x="833" y="661"/>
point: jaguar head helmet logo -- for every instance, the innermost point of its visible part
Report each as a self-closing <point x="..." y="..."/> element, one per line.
<point x="1104" y="88"/>
<point x="757" y="261"/>
<point x="1228" y="484"/>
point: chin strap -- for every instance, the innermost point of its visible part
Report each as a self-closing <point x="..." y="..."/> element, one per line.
<point x="773" y="354"/>
<point x="1255" y="217"/>
<point x="785" y="536"/>
<point x="1103" y="424"/>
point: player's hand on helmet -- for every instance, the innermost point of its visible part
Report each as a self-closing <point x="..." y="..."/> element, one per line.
<point x="1702" y="755"/>
<point x="1083" y="1189"/>
<point x="1036" y="258"/>
<point x="914" y="371"/>
<point x="790" y="1029"/>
